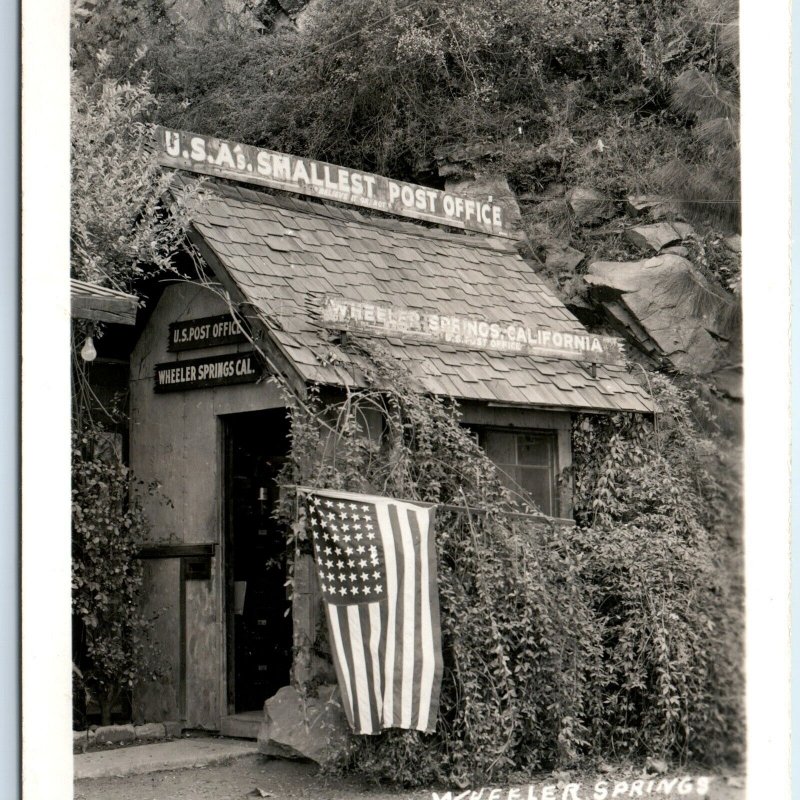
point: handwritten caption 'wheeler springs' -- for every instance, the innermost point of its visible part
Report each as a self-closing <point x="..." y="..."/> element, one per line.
<point x="211" y="156"/>
<point x="685" y="787"/>
<point x="387" y="320"/>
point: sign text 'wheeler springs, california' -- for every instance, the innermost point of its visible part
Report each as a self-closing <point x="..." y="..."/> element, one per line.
<point x="242" y="162"/>
<point x="387" y="320"/>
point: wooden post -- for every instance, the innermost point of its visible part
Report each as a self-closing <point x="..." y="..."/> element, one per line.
<point x="305" y="606"/>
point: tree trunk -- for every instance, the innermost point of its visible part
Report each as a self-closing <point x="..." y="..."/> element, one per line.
<point x="106" y="704"/>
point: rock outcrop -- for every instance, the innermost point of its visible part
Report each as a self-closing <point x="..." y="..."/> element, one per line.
<point x="672" y="311"/>
<point x="655" y="237"/>
<point x="656" y="207"/>
<point x="483" y="186"/>
<point x="304" y="727"/>
<point x="589" y="206"/>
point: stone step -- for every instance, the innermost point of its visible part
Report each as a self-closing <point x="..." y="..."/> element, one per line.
<point x="244" y="725"/>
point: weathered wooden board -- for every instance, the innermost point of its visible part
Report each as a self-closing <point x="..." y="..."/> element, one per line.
<point x="191" y="334"/>
<point x="204" y="654"/>
<point x="159" y="700"/>
<point x="104" y="309"/>
<point x="241" y="162"/>
<point x="175" y="440"/>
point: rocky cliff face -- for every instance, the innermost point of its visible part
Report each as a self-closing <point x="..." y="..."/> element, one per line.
<point x="629" y="266"/>
<point x="208" y="15"/>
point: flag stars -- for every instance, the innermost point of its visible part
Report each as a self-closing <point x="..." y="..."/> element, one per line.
<point x="348" y="556"/>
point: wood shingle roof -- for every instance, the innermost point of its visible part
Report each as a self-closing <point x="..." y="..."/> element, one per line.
<point x="285" y="254"/>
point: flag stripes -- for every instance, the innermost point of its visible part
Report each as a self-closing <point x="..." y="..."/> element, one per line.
<point x="383" y="619"/>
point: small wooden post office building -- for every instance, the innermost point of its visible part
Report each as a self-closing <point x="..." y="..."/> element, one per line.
<point x="211" y="428"/>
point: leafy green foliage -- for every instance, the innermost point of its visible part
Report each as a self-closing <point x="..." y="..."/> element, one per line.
<point x="560" y="645"/>
<point x="108" y="529"/>
<point x="119" y="30"/>
<point x="659" y="507"/>
<point x="383" y="84"/>
<point x="119" y="228"/>
<point x="707" y="93"/>
<point x="520" y="643"/>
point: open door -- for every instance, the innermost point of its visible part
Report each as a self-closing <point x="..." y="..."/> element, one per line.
<point x="259" y="625"/>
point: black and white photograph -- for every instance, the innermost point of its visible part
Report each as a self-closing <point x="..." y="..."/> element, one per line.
<point x="403" y="372"/>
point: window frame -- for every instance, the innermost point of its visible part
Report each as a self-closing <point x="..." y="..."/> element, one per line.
<point x="550" y="433"/>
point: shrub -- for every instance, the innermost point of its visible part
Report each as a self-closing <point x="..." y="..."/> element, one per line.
<point x="559" y="644"/>
<point x="108" y="528"/>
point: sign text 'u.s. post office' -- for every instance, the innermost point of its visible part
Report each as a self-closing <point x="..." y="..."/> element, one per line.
<point x="191" y="334"/>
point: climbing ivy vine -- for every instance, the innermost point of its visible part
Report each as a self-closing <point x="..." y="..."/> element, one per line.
<point x="561" y="645"/>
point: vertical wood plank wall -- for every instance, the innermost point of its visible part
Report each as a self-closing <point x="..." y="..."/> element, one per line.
<point x="175" y="439"/>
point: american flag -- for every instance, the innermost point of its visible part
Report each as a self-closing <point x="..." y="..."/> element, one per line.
<point x="376" y="564"/>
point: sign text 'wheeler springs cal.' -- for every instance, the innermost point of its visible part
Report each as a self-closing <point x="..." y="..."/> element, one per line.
<point x="205" y="373"/>
<point x="242" y="162"/>
<point x="387" y="320"/>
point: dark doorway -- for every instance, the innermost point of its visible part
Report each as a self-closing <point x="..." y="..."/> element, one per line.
<point x="259" y="627"/>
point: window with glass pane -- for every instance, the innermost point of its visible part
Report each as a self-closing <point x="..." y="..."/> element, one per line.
<point x="527" y="461"/>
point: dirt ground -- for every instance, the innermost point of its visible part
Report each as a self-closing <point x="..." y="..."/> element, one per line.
<point x="238" y="779"/>
<point x="256" y="776"/>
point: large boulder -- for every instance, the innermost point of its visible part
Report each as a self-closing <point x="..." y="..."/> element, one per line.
<point x="589" y="206"/>
<point x="653" y="205"/>
<point x="733" y="243"/>
<point x="484" y="186"/>
<point x="304" y="727"/>
<point x="115" y="734"/>
<point x="152" y="730"/>
<point x="560" y="258"/>
<point x="673" y="312"/>
<point x="659" y="235"/>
